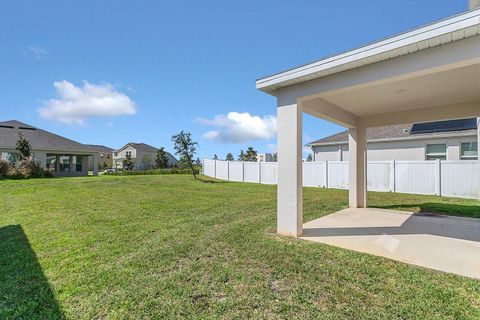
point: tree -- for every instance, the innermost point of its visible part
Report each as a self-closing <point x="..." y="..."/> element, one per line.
<point x="161" y="161"/>
<point x="147" y="161"/>
<point x="215" y="157"/>
<point x="128" y="162"/>
<point x="198" y="162"/>
<point x="241" y="156"/>
<point x="229" y="157"/>
<point x="185" y="149"/>
<point x="309" y="158"/>
<point x="23" y="147"/>
<point x="251" y="154"/>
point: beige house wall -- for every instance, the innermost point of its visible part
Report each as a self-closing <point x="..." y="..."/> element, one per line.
<point x="393" y="150"/>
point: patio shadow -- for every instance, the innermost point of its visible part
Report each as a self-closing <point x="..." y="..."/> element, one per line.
<point x="472" y="211"/>
<point x="416" y="224"/>
<point x="24" y="290"/>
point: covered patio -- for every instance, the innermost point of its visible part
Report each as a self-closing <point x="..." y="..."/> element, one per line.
<point x="428" y="74"/>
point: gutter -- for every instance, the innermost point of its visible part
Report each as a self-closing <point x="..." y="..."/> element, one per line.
<point x="409" y="138"/>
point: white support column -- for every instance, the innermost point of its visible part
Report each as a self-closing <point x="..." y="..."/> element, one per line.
<point x="289" y="189"/>
<point x="357" y="144"/>
<point x="478" y="155"/>
<point x="95" y="164"/>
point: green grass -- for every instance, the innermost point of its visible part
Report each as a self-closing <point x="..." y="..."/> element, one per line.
<point x="170" y="247"/>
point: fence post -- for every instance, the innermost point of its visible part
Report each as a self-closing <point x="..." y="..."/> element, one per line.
<point x="215" y="169"/>
<point x="326" y="174"/>
<point x="438" y="177"/>
<point x="228" y="170"/>
<point x="243" y="171"/>
<point x="259" y="171"/>
<point x="392" y="176"/>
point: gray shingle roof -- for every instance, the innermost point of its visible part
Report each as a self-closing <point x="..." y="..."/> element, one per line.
<point x="99" y="148"/>
<point x="39" y="139"/>
<point x="396" y="132"/>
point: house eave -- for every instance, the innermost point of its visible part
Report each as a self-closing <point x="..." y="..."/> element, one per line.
<point x="409" y="138"/>
<point x="455" y="28"/>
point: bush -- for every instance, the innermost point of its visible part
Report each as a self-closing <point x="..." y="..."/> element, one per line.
<point x="5" y="169"/>
<point x="153" y="172"/>
<point x="26" y="169"/>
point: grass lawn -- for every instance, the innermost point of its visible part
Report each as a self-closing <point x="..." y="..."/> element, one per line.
<point x="167" y="246"/>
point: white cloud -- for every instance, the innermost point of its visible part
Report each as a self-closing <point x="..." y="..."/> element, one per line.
<point x="38" y="52"/>
<point x="76" y="104"/>
<point x="238" y="127"/>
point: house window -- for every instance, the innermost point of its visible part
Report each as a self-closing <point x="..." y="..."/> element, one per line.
<point x="77" y="163"/>
<point x="9" y="156"/>
<point x="116" y="154"/>
<point x="128" y="153"/>
<point x="469" y="151"/>
<point x="64" y="164"/>
<point x="436" y="152"/>
<point x="52" y="162"/>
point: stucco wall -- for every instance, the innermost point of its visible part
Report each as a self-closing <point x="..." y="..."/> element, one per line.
<point x="397" y="150"/>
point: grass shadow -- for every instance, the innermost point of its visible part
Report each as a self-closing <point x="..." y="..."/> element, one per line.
<point x="24" y="290"/>
<point x="206" y="179"/>
<point x="472" y="211"/>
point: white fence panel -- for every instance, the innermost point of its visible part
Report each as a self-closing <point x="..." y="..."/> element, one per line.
<point x="337" y="175"/>
<point x="314" y="174"/>
<point x="417" y="177"/>
<point x="459" y="178"/>
<point x="222" y="170"/>
<point x="209" y="167"/>
<point x="236" y="171"/>
<point x="269" y="172"/>
<point x="251" y="172"/>
<point x="446" y="178"/>
<point x="378" y="176"/>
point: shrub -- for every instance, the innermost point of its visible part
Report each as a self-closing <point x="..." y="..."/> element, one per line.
<point x="26" y="169"/>
<point x="5" y="168"/>
<point x="154" y="172"/>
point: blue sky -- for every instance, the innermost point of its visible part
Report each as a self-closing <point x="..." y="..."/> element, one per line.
<point x="110" y="72"/>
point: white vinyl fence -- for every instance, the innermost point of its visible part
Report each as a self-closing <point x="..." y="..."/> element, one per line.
<point x="443" y="178"/>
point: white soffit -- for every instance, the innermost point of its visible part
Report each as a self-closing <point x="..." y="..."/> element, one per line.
<point x="442" y="32"/>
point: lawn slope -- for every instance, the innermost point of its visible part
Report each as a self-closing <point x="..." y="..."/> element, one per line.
<point x="168" y="246"/>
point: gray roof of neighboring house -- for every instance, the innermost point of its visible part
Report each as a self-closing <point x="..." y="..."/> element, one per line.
<point x="39" y="139"/>
<point x="396" y="132"/>
<point x="99" y="148"/>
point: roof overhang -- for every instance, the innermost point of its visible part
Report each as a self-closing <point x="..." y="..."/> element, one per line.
<point x="455" y="28"/>
<point x="468" y="133"/>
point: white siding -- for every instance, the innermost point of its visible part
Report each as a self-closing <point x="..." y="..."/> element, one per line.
<point x="409" y="150"/>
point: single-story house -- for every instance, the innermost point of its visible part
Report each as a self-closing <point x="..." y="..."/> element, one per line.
<point x="105" y="156"/>
<point x="443" y="140"/>
<point x="66" y="157"/>
<point x="143" y="156"/>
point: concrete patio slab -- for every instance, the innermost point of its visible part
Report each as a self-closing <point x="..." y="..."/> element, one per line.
<point x="445" y="243"/>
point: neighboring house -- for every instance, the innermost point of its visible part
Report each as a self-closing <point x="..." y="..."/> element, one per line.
<point x="139" y="153"/>
<point x="267" y="157"/>
<point x="444" y="140"/>
<point x="66" y="157"/>
<point x="105" y="156"/>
